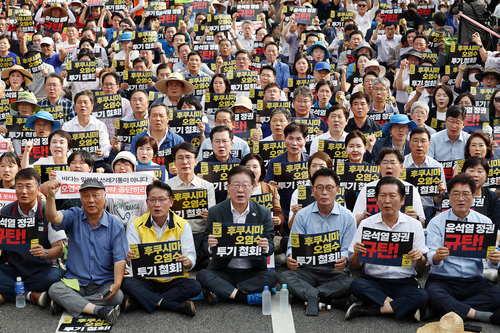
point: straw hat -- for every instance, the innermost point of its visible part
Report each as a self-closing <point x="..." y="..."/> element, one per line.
<point x="373" y="63"/>
<point x="28" y="78"/>
<point x="219" y="5"/>
<point x="162" y="84"/>
<point x="48" y="11"/>
<point x="449" y="323"/>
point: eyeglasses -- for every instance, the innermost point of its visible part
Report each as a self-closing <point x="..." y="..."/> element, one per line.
<point x="188" y="158"/>
<point x="224" y="142"/>
<point x="52" y="86"/>
<point x="241" y="59"/>
<point x="336" y="117"/>
<point x="159" y="200"/>
<point x="328" y="188"/>
<point x="302" y="101"/>
<point x="457" y="195"/>
<point x="419" y="113"/>
<point x="244" y="186"/>
<point x="386" y="163"/>
<point x="279" y="121"/>
<point x="456" y="123"/>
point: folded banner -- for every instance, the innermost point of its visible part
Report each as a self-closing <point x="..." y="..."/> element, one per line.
<point x="126" y="186"/>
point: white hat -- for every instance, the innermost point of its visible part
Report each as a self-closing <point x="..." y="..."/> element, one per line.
<point x="47" y="40"/>
<point x="125" y="155"/>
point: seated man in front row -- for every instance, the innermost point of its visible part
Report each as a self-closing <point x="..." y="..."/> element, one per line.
<point x="34" y="267"/>
<point x="161" y="225"/>
<point x="238" y="279"/>
<point x="388" y="289"/>
<point x="329" y="283"/>
<point x="456" y="283"/>
<point x="96" y="254"/>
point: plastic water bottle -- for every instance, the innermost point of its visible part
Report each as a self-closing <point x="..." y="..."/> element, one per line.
<point x="266" y="301"/>
<point x="19" y="288"/>
<point x="284" y="299"/>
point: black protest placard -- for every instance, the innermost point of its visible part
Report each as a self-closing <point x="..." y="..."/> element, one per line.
<point x="425" y="11"/>
<point x="339" y="17"/>
<point x="200" y="84"/>
<point x="157" y="260"/>
<point x="258" y="47"/>
<point x="264" y="109"/>
<point x="227" y="66"/>
<point x="482" y="95"/>
<point x="243" y="80"/>
<point x="435" y="123"/>
<point x="294" y="83"/>
<point x="189" y="203"/>
<point x="137" y="80"/>
<point x="336" y="150"/>
<point x="237" y="240"/>
<point x="316" y="249"/>
<point x="185" y="122"/>
<point x="24" y="19"/>
<point x="144" y="40"/>
<point x="319" y="112"/>
<point x="220" y="22"/>
<point x="88" y="141"/>
<point x="423" y="75"/>
<point x="245" y="126"/>
<point x="40" y="148"/>
<point x="119" y="65"/>
<point x="269" y="149"/>
<point x="463" y="53"/>
<point x="55" y="24"/>
<point x="108" y="106"/>
<point x="4" y="108"/>
<point x="164" y="157"/>
<point x="206" y="153"/>
<point x="216" y="173"/>
<point x="255" y="96"/>
<point x="248" y="12"/>
<point x="448" y="167"/>
<point x="200" y="6"/>
<point x="154" y="95"/>
<point x="208" y="51"/>
<point x="16" y="129"/>
<point x="354" y="176"/>
<point x="170" y="17"/>
<point x="289" y="175"/>
<point x="33" y="64"/>
<point x="172" y="61"/>
<point x="214" y="102"/>
<point x="116" y="5"/>
<point x="451" y="72"/>
<point x="7" y="62"/>
<point x="81" y="71"/>
<point x="57" y="112"/>
<point x="430" y="56"/>
<point x="493" y="174"/>
<point x="476" y="117"/>
<point x="435" y="38"/>
<point x="264" y="199"/>
<point x="18" y="234"/>
<point x="381" y="118"/>
<point x="126" y="130"/>
<point x="470" y="239"/>
<point x="155" y="8"/>
<point x="199" y="30"/>
<point x="44" y="170"/>
<point x="305" y="15"/>
<point x="391" y="15"/>
<point x="82" y="324"/>
<point x="388" y="248"/>
<point x="426" y="180"/>
<point x="288" y="11"/>
<point x="371" y="200"/>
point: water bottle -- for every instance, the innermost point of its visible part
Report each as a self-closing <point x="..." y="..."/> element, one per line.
<point x="19" y="288"/>
<point x="266" y="301"/>
<point x="284" y="299"/>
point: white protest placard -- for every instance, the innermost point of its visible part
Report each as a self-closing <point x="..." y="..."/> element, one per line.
<point x="7" y="196"/>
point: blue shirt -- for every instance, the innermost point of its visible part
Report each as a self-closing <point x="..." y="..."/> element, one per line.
<point x="323" y="126"/>
<point x="54" y="61"/>
<point x="310" y="221"/>
<point x="454" y="267"/>
<point x="282" y="73"/>
<point x="170" y="140"/>
<point x="92" y="252"/>
<point x="68" y="108"/>
<point x="442" y="149"/>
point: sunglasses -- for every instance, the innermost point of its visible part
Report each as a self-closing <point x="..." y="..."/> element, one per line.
<point x="361" y="5"/>
<point x="497" y="99"/>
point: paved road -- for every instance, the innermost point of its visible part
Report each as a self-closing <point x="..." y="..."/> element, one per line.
<point x="220" y="318"/>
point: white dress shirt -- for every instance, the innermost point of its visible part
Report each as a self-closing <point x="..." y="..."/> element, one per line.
<point x="325" y="136"/>
<point x="94" y="124"/>
<point x="238" y="218"/>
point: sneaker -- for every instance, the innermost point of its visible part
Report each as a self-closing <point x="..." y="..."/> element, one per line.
<point x="211" y="297"/>
<point x="200" y="297"/>
<point x="129" y="304"/>
<point x="186" y="308"/>
<point x="110" y="313"/>
<point x="55" y="308"/>
<point x="357" y="310"/>
<point x="254" y="299"/>
<point x="491" y="274"/>
<point x="39" y="299"/>
<point x="2" y="299"/>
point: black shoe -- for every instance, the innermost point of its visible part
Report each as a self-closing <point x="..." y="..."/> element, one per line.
<point x="357" y="310"/>
<point x="340" y="303"/>
<point x="55" y="308"/>
<point x="495" y="317"/>
<point x="129" y="304"/>
<point x="426" y="313"/>
<point x="186" y="308"/>
<point x="110" y="313"/>
<point x="210" y="296"/>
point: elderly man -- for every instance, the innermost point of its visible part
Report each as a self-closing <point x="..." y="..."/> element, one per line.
<point x="96" y="255"/>
<point x="381" y="91"/>
<point x="161" y="225"/>
<point x="396" y="131"/>
<point x="48" y="56"/>
<point x="53" y="88"/>
<point x="392" y="289"/>
<point x="174" y="88"/>
<point x="329" y="283"/>
<point x="419" y="113"/>
<point x="302" y="103"/>
<point x="456" y="283"/>
<point x="238" y="279"/>
<point x="34" y="267"/>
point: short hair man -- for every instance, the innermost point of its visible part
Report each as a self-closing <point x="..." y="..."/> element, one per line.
<point x="457" y="284"/>
<point x="336" y="118"/>
<point x="238" y="279"/>
<point x="328" y="283"/>
<point x="96" y="255"/>
<point x="53" y="88"/>
<point x="34" y="267"/>
<point x="360" y="105"/>
<point x="170" y="294"/>
<point x="392" y="289"/>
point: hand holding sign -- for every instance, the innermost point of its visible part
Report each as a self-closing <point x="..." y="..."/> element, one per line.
<point x="441" y="254"/>
<point x="212" y="241"/>
<point x="186" y="262"/>
<point x="494" y="257"/>
<point x="263" y="243"/>
<point x="415" y="254"/>
<point x="340" y="264"/>
<point x="291" y="263"/>
<point x="38" y="251"/>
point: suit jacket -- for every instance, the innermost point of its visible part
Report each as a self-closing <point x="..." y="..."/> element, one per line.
<point x="257" y="215"/>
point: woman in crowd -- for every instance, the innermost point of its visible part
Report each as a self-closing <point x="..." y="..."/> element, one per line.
<point x="301" y="69"/>
<point x="348" y="83"/>
<point x="495" y="104"/>
<point x="9" y="166"/>
<point x="420" y="113"/>
<point x="324" y="92"/>
<point x="465" y="99"/>
<point x="145" y="149"/>
<point x="442" y="99"/>
<point x="16" y="78"/>
<point x="479" y="144"/>
<point x="279" y="119"/>
<point x="59" y="145"/>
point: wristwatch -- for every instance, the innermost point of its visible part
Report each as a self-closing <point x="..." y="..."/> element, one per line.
<point x="46" y="254"/>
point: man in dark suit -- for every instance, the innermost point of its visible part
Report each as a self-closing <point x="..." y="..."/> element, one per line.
<point x="240" y="279"/>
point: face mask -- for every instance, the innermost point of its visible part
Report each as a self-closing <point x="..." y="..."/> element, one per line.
<point x="444" y="10"/>
<point x="472" y="78"/>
